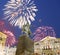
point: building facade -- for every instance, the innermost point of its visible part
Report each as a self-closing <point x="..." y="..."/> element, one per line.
<point x="47" y="46"/>
<point x="5" y="50"/>
<point x="2" y="39"/>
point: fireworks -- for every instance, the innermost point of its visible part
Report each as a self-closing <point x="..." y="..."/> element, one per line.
<point x="20" y="12"/>
<point x="42" y="32"/>
<point x="2" y="25"/>
<point x="10" y="41"/>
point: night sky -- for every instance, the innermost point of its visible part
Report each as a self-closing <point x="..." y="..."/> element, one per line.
<point x="48" y="15"/>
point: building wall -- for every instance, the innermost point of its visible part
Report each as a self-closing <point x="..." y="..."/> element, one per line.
<point x="2" y="39"/>
<point x="47" y="47"/>
<point x="7" y="50"/>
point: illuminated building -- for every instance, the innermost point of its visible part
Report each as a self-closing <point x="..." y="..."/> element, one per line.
<point x="2" y="39"/>
<point x="47" y="46"/>
<point x="10" y="50"/>
<point x="5" y="50"/>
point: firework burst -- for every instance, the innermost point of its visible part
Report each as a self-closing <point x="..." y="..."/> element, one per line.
<point x="43" y="32"/>
<point x="11" y="40"/>
<point x="20" y="12"/>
